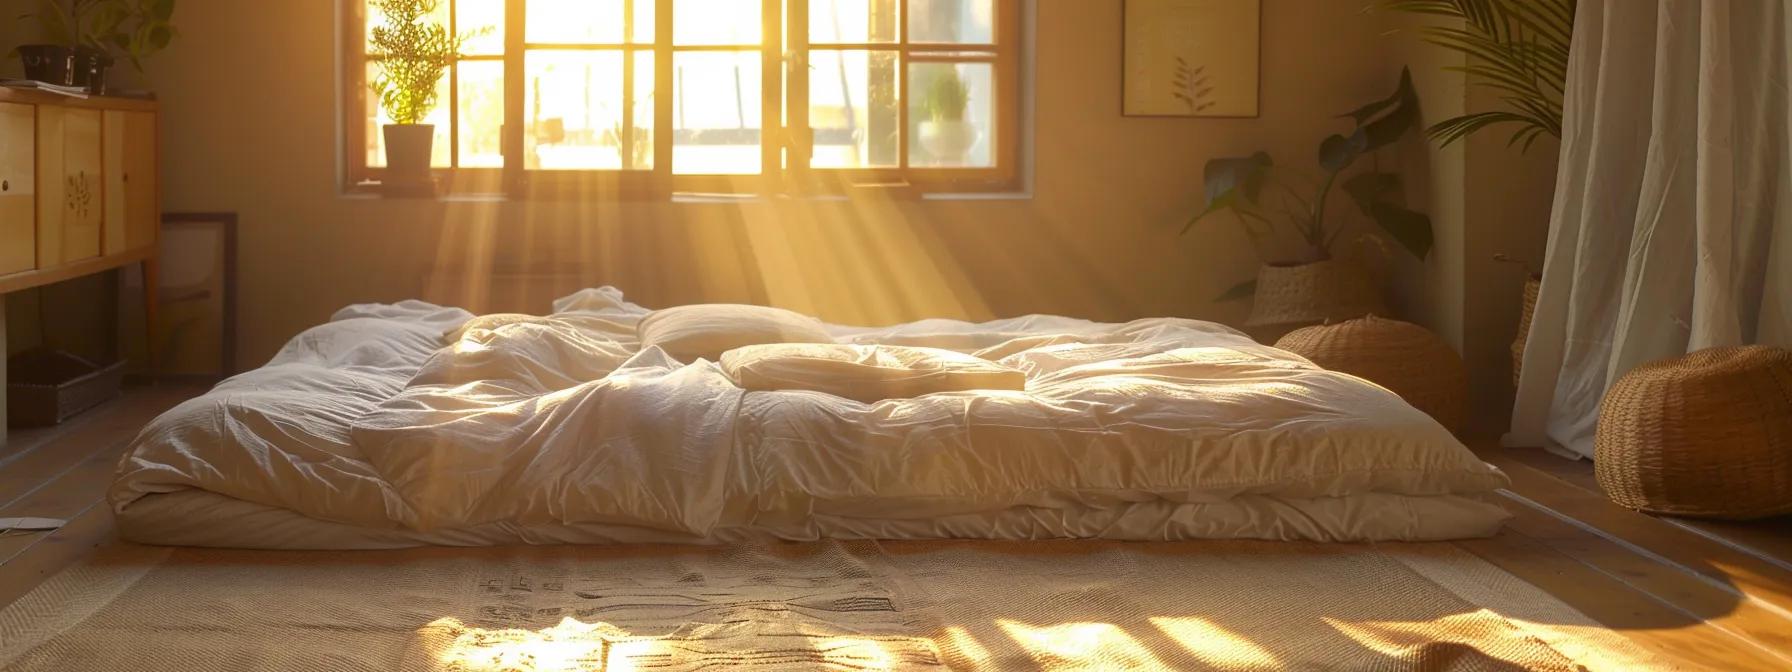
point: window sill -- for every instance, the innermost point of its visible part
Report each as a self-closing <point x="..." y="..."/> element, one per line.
<point x="372" y="191"/>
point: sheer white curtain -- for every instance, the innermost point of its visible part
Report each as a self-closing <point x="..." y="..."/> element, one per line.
<point x="1672" y="229"/>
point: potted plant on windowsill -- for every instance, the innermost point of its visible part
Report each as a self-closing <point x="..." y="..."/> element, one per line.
<point x="86" y="34"/>
<point x="1306" y="284"/>
<point x="946" y="134"/>
<point x="412" y="52"/>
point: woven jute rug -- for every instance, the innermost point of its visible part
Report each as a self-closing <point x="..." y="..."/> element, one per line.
<point x="845" y="606"/>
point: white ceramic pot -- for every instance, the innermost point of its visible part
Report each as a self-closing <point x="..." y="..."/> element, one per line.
<point x="949" y="141"/>
<point x="408" y="151"/>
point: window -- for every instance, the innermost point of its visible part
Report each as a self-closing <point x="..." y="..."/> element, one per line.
<point x="641" y="98"/>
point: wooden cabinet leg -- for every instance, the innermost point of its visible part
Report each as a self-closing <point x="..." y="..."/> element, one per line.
<point x="151" y="268"/>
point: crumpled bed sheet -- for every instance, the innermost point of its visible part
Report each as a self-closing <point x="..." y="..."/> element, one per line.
<point x="375" y="431"/>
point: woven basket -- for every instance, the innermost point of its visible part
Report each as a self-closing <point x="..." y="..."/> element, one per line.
<point x="1704" y="435"/>
<point x="1532" y="287"/>
<point x="1323" y="291"/>
<point x="1403" y="357"/>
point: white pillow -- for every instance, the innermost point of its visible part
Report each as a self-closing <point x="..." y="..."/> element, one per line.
<point x="865" y="373"/>
<point x="706" y="331"/>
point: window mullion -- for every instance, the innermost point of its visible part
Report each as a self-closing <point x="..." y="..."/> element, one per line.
<point x="515" y="150"/>
<point x="454" y="90"/>
<point x="772" y="133"/>
<point x="662" y="99"/>
<point x="800" y="148"/>
<point x="902" y="102"/>
<point x="626" y="141"/>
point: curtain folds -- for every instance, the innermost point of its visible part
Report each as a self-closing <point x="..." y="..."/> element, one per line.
<point x="1672" y="224"/>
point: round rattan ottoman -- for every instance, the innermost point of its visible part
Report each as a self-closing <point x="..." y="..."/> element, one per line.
<point x="1403" y="357"/>
<point x="1706" y="435"/>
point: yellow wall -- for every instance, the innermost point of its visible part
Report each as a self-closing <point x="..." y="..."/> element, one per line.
<point x="250" y="124"/>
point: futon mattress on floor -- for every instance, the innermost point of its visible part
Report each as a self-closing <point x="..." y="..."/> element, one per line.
<point x="389" y="426"/>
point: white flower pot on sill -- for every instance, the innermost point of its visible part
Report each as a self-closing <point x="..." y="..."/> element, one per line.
<point x="408" y="151"/>
<point x="949" y="141"/>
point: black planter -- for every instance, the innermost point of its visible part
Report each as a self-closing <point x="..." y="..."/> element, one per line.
<point x="95" y="63"/>
<point x="408" y="149"/>
<point x="54" y="64"/>
<point x="64" y="66"/>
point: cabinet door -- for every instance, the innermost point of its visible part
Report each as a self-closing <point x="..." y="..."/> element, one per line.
<point x="18" y="179"/>
<point x="69" y="160"/>
<point x="131" y="207"/>
<point x="142" y="185"/>
<point x="83" y="173"/>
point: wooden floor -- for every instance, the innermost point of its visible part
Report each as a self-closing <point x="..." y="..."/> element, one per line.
<point x="1715" y="595"/>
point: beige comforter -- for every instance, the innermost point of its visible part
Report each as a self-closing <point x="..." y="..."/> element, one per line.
<point x="376" y="429"/>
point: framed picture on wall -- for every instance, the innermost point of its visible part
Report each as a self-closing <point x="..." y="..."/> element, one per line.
<point x="1191" y="58"/>
<point x="194" y="335"/>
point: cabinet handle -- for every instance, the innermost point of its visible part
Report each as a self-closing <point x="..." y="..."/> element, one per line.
<point x="5" y="185"/>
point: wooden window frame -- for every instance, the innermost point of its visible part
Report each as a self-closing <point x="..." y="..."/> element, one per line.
<point x="786" y="155"/>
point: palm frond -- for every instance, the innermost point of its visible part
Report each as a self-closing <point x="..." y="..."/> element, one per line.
<point x="1519" y="48"/>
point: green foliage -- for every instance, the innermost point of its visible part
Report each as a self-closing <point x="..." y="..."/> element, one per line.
<point x="1238" y="185"/>
<point x="412" y="52"/>
<point x="134" y="29"/>
<point x="1518" y="48"/>
<point x="947" y="97"/>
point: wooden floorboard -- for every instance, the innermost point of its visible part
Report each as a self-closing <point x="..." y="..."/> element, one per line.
<point x="1752" y="574"/>
<point x="117" y="421"/>
<point x="1655" y="626"/>
<point x="64" y="476"/>
<point x="1718" y="604"/>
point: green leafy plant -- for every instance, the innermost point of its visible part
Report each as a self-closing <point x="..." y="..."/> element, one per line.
<point x="412" y="53"/>
<point x="134" y="29"/>
<point x="1241" y="186"/>
<point x="1516" y="47"/>
<point x="947" y="97"/>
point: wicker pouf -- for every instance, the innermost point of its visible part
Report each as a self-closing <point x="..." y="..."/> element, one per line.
<point x="1704" y="435"/>
<point x="1403" y="357"/>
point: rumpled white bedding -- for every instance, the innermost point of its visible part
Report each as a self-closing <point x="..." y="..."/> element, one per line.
<point x="372" y="431"/>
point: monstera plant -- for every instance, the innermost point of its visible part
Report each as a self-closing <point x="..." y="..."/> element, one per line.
<point x="1270" y="201"/>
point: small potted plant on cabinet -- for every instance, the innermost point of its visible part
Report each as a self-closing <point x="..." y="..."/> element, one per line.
<point x="946" y="134"/>
<point x="412" y="52"/>
<point x="86" y="34"/>
<point x="1305" y="284"/>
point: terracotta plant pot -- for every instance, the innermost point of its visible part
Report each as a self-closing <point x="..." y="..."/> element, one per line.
<point x="1313" y="293"/>
<point x="408" y="151"/>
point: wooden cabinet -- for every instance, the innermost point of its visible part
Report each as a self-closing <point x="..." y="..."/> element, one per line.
<point x="18" y="179"/>
<point x="78" y="186"/>
<point x="78" y="194"/>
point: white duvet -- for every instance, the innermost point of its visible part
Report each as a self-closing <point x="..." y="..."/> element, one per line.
<point x="377" y="430"/>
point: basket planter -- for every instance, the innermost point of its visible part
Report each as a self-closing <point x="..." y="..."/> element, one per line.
<point x="45" y="387"/>
<point x="1706" y="435"/>
<point x="1532" y="287"/>
<point x="1405" y="358"/>
<point x="1322" y="291"/>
